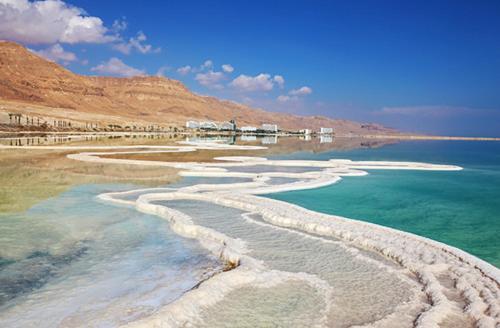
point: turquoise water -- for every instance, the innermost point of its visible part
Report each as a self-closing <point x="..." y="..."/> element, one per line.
<point x="460" y="208"/>
<point x="74" y="259"/>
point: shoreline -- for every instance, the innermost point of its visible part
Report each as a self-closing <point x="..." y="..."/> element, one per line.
<point x="426" y="277"/>
<point x="184" y="133"/>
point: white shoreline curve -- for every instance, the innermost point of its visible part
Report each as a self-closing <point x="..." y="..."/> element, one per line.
<point x="475" y="279"/>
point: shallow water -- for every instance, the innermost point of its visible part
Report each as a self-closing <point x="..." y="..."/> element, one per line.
<point x="457" y="208"/>
<point x="72" y="259"/>
<point x="291" y="304"/>
<point x="362" y="291"/>
<point x="76" y="261"/>
<point x="269" y="168"/>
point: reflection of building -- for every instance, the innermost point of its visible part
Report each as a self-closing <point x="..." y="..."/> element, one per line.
<point x="325" y="138"/>
<point x="248" y="138"/>
<point x="270" y="127"/>
<point x="212" y="139"/>
<point x="248" y="129"/>
<point x="306" y="137"/>
<point x="270" y="140"/>
<point x="326" y="130"/>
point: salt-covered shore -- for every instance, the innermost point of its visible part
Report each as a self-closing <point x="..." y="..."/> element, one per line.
<point x="459" y="288"/>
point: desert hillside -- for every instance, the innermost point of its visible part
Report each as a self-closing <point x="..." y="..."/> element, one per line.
<point x="33" y="86"/>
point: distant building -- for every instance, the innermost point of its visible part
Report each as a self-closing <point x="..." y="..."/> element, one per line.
<point x="248" y="129"/>
<point x="305" y="131"/>
<point x="227" y="126"/>
<point x="326" y="131"/>
<point x="208" y="125"/>
<point x="192" y="125"/>
<point x="270" y="127"/>
<point x="234" y="124"/>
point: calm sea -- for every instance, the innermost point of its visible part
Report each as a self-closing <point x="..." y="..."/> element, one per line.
<point x="459" y="208"/>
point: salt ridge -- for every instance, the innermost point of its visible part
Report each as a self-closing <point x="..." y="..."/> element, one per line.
<point x="429" y="260"/>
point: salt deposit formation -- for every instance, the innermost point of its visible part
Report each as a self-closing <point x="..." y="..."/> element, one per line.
<point x="288" y="266"/>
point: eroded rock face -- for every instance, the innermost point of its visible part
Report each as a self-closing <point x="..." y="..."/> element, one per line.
<point x="27" y="78"/>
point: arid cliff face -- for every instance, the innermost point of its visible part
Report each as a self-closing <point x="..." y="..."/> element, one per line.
<point x="27" y="79"/>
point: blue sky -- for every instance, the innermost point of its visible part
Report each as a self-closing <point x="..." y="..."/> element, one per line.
<point x="424" y="66"/>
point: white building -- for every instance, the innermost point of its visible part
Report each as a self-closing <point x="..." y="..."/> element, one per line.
<point x="326" y="130"/>
<point x="270" y="127"/>
<point x="208" y="125"/>
<point x="227" y="126"/>
<point x="192" y="125"/>
<point x="305" y="131"/>
<point x="248" y="129"/>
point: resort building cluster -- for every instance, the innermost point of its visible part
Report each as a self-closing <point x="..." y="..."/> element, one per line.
<point x="265" y="128"/>
<point x="21" y="121"/>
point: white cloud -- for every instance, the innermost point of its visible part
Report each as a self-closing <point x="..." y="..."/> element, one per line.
<point x="162" y="70"/>
<point x="184" y="70"/>
<point x="245" y="83"/>
<point x="227" y="68"/>
<point x="294" y="95"/>
<point x="119" y="25"/>
<point x="210" y="79"/>
<point x="137" y="43"/>
<point x="48" y="22"/>
<point x="57" y="53"/>
<point x="115" y="66"/>
<point x="432" y="111"/>
<point x="283" y="98"/>
<point x="420" y="110"/>
<point x="300" y="92"/>
<point x="208" y="64"/>
<point x="280" y="81"/>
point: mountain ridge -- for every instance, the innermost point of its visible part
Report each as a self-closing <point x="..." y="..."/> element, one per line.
<point x="35" y="86"/>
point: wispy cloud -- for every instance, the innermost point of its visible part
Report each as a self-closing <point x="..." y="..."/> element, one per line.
<point x="294" y="94"/>
<point x="210" y="79"/>
<point x="280" y="81"/>
<point x="116" y="67"/>
<point x="184" y="70"/>
<point x="303" y="91"/>
<point x="57" y="53"/>
<point x="227" y="68"/>
<point x="260" y="82"/>
<point x="119" y="25"/>
<point x="441" y="119"/>
<point x="162" y="70"/>
<point x="208" y="64"/>
<point x="428" y="111"/>
<point x="137" y="43"/>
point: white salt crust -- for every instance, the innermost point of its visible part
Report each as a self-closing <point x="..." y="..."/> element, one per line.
<point x="475" y="281"/>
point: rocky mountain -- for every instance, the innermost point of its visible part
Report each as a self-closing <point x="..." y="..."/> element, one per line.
<point x="34" y="86"/>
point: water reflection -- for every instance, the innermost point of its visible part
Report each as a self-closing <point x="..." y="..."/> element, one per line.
<point x="172" y="138"/>
<point x="58" y="139"/>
